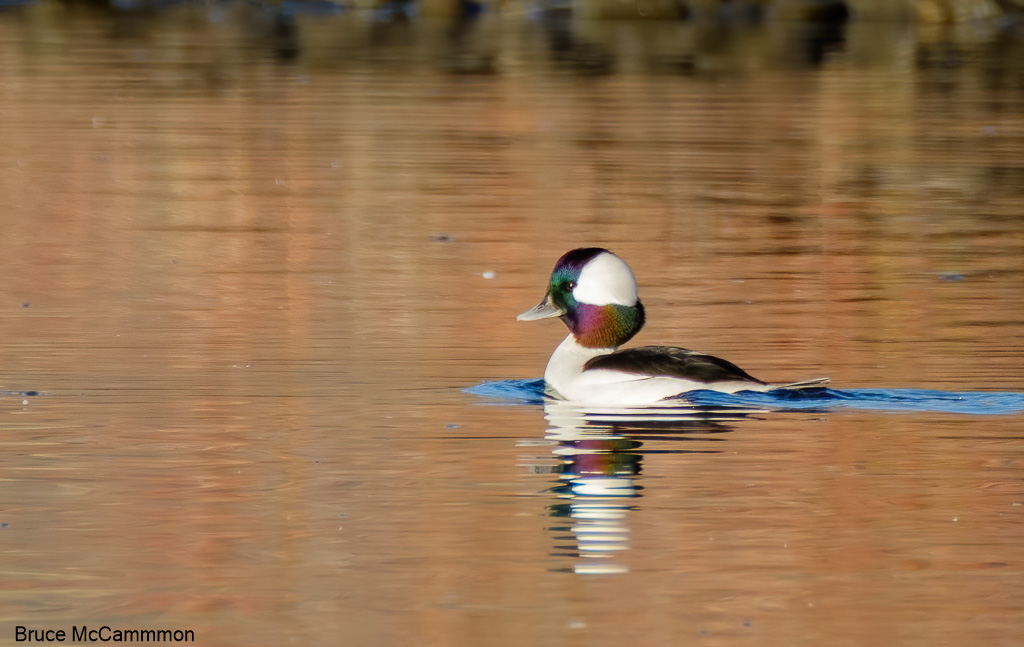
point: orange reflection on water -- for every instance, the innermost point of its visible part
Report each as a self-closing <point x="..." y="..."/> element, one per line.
<point x="251" y="292"/>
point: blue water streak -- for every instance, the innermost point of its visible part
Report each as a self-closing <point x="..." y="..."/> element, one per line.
<point x="511" y="391"/>
<point x="970" y="402"/>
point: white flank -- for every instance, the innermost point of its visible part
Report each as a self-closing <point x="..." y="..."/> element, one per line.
<point x="565" y="376"/>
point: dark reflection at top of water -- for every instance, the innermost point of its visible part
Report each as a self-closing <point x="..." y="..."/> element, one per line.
<point x="476" y="42"/>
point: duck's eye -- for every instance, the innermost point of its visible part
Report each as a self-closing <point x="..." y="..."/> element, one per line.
<point x="570" y="285"/>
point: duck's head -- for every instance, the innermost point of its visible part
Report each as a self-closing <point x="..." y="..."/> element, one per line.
<point x="594" y="292"/>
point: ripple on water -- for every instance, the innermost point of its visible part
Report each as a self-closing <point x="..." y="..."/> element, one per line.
<point x="970" y="402"/>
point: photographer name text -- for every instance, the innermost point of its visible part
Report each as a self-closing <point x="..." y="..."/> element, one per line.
<point x="104" y="634"/>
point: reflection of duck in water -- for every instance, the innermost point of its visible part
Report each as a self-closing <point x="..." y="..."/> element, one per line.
<point x="599" y="459"/>
<point x="594" y="293"/>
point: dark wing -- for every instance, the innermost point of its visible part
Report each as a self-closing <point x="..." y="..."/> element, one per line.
<point x="669" y="361"/>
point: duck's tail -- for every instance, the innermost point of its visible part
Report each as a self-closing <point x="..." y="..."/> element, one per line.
<point x="814" y="383"/>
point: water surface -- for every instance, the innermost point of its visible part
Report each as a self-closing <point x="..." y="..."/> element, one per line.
<point x="251" y="263"/>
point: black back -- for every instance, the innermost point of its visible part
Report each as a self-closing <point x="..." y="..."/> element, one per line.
<point x="669" y="361"/>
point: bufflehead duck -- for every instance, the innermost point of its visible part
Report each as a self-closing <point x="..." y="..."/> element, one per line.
<point x="594" y="292"/>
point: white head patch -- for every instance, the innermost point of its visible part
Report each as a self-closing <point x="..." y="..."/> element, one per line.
<point x="606" y="279"/>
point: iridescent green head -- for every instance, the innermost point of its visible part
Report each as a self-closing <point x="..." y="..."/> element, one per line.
<point x="594" y="293"/>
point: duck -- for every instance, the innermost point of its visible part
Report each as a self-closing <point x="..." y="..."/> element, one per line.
<point x="594" y="292"/>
